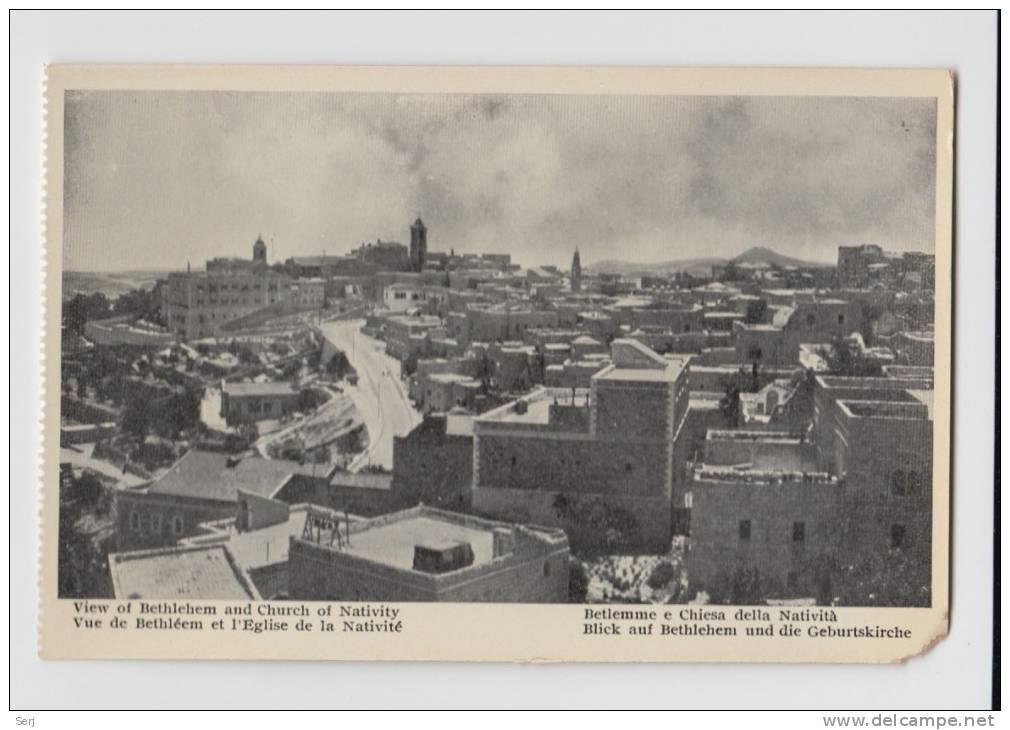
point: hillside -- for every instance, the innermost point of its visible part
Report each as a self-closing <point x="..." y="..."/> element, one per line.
<point x="698" y="266"/>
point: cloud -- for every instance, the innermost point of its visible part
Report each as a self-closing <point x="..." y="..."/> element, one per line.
<point x="154" y="179"/>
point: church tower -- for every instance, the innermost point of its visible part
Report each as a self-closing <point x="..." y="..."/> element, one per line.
<point x="259" y="251"/>
<point x="418" y="245"/>
<point x="576" y="272"/>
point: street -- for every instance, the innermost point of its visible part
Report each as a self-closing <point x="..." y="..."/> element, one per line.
<point x="379" y="395"/>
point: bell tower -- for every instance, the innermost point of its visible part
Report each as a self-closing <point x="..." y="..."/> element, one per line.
<point x="259" y="251"/>
<point x="576" y="272"/>
<point x="418" y="244"/>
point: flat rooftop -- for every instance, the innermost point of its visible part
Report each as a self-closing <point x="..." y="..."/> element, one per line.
<point x="885" y="409"/>
<point x="393" y="543"/>
<point x="667" y="374"/>
<point x="180" y="572"/>
<point x="537" y="406"/>
<point x="362" y="480"/>
<point x="259" y="389"/>
<point x="265" y="545"/>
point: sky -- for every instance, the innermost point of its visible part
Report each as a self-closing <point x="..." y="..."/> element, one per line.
<point x="156" y="180"/>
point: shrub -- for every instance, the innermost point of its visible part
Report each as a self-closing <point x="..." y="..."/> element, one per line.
<point x="661" y="575"/>
<point x="578" y="581"/>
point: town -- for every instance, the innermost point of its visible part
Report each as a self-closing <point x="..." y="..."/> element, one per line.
<point x="406" y="424"/>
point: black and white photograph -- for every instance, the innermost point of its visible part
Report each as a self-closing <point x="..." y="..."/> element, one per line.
<point x="506" y="348"/>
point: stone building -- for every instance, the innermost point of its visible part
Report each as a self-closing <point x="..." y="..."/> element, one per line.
<point x="433" y="464"/>
<point x="251" y="402"/>
<point x="201" y="304"/>
<point x="400" y="297"/>
<point x="576" y="273"/>
<point x="192" y="572"/>
<point x="844" y="516"/>
<point x="426" y="554"/>
<point x="418" y="245"/>
<point x="607" y="458"/>
<point x="200" y="487"/>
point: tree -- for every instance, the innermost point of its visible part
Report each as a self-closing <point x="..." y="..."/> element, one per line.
<point x="249" y="433"/>
<point x="661" y="575"/>
<point x="89" y="489"/>
<point x="136" y="420"/>
<point x="729" y="404"/>
<point x="871" y="313"/>
<point x="891" y="578"/>
<point x="742" y="381"/>
<point x="846" y="357"/>
<point x="578" y="581"/>
<point x="84" y="308"/>
<point x="292" y="368"/>
<point x="756" y="311"/>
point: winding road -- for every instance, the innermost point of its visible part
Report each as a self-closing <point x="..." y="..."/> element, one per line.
<point x="379" y="395"/>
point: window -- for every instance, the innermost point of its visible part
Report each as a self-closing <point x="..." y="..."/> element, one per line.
<point x="792" y="580"/>
<point x="841" y="319"/>
<point x="513" y="461"/>
<point x="898" y="482"/>
<point x="177" y="525"/>
<point x="135" y="521"/>
<point x="744" y="529"/>
<point x="547" y="569"/>
<point x="811" y="320"/>
<point x="799" y="531"/>
<point x="627" y="466"/>
<point x="897" y="536"/>
<point x="156" y="523"/>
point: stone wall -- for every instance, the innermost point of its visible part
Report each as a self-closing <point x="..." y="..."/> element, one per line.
<point x="436" y="471"/>
<point x="535" y="575"/>
<point x="638" y="523"/>
<point x="579" y="466"/>
<point x="154" y="520"/>
<point x="770" y="562"/>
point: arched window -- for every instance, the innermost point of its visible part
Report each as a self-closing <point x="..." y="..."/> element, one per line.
<point x="177" y="525"/>
<point x="811" y="320"/>
<point x="135" y="521"/>
<point x="547" y="569"/>
<point x="898" y="485"/>
<point x="155" y="523"/>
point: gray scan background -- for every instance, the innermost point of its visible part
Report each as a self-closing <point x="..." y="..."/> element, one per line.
<point x="955" y="674"/>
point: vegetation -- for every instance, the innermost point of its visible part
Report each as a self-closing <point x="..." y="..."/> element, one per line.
<point x="742" y="381"/>
<point x="756" y="312"/>
<point x="893" y="578"/>
<point x="661" y="575"/>
<point x="167" y="417"/>
<point x="84" y="308"/>
<point x="578" y="581"/>
<point x="82" y="557"/>
<point x="846" y="357"/>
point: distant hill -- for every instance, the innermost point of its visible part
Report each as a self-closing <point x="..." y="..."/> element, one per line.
<point x="761" y="254"/>
<point x="694" y="266"/>
<point x="698" y="266"/>
<point x="111" y="284"/>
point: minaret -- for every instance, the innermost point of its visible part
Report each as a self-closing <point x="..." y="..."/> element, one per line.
<point x="576" y="272"/>
<point x="259" y="251"/>
<point x="418" y="244"/>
